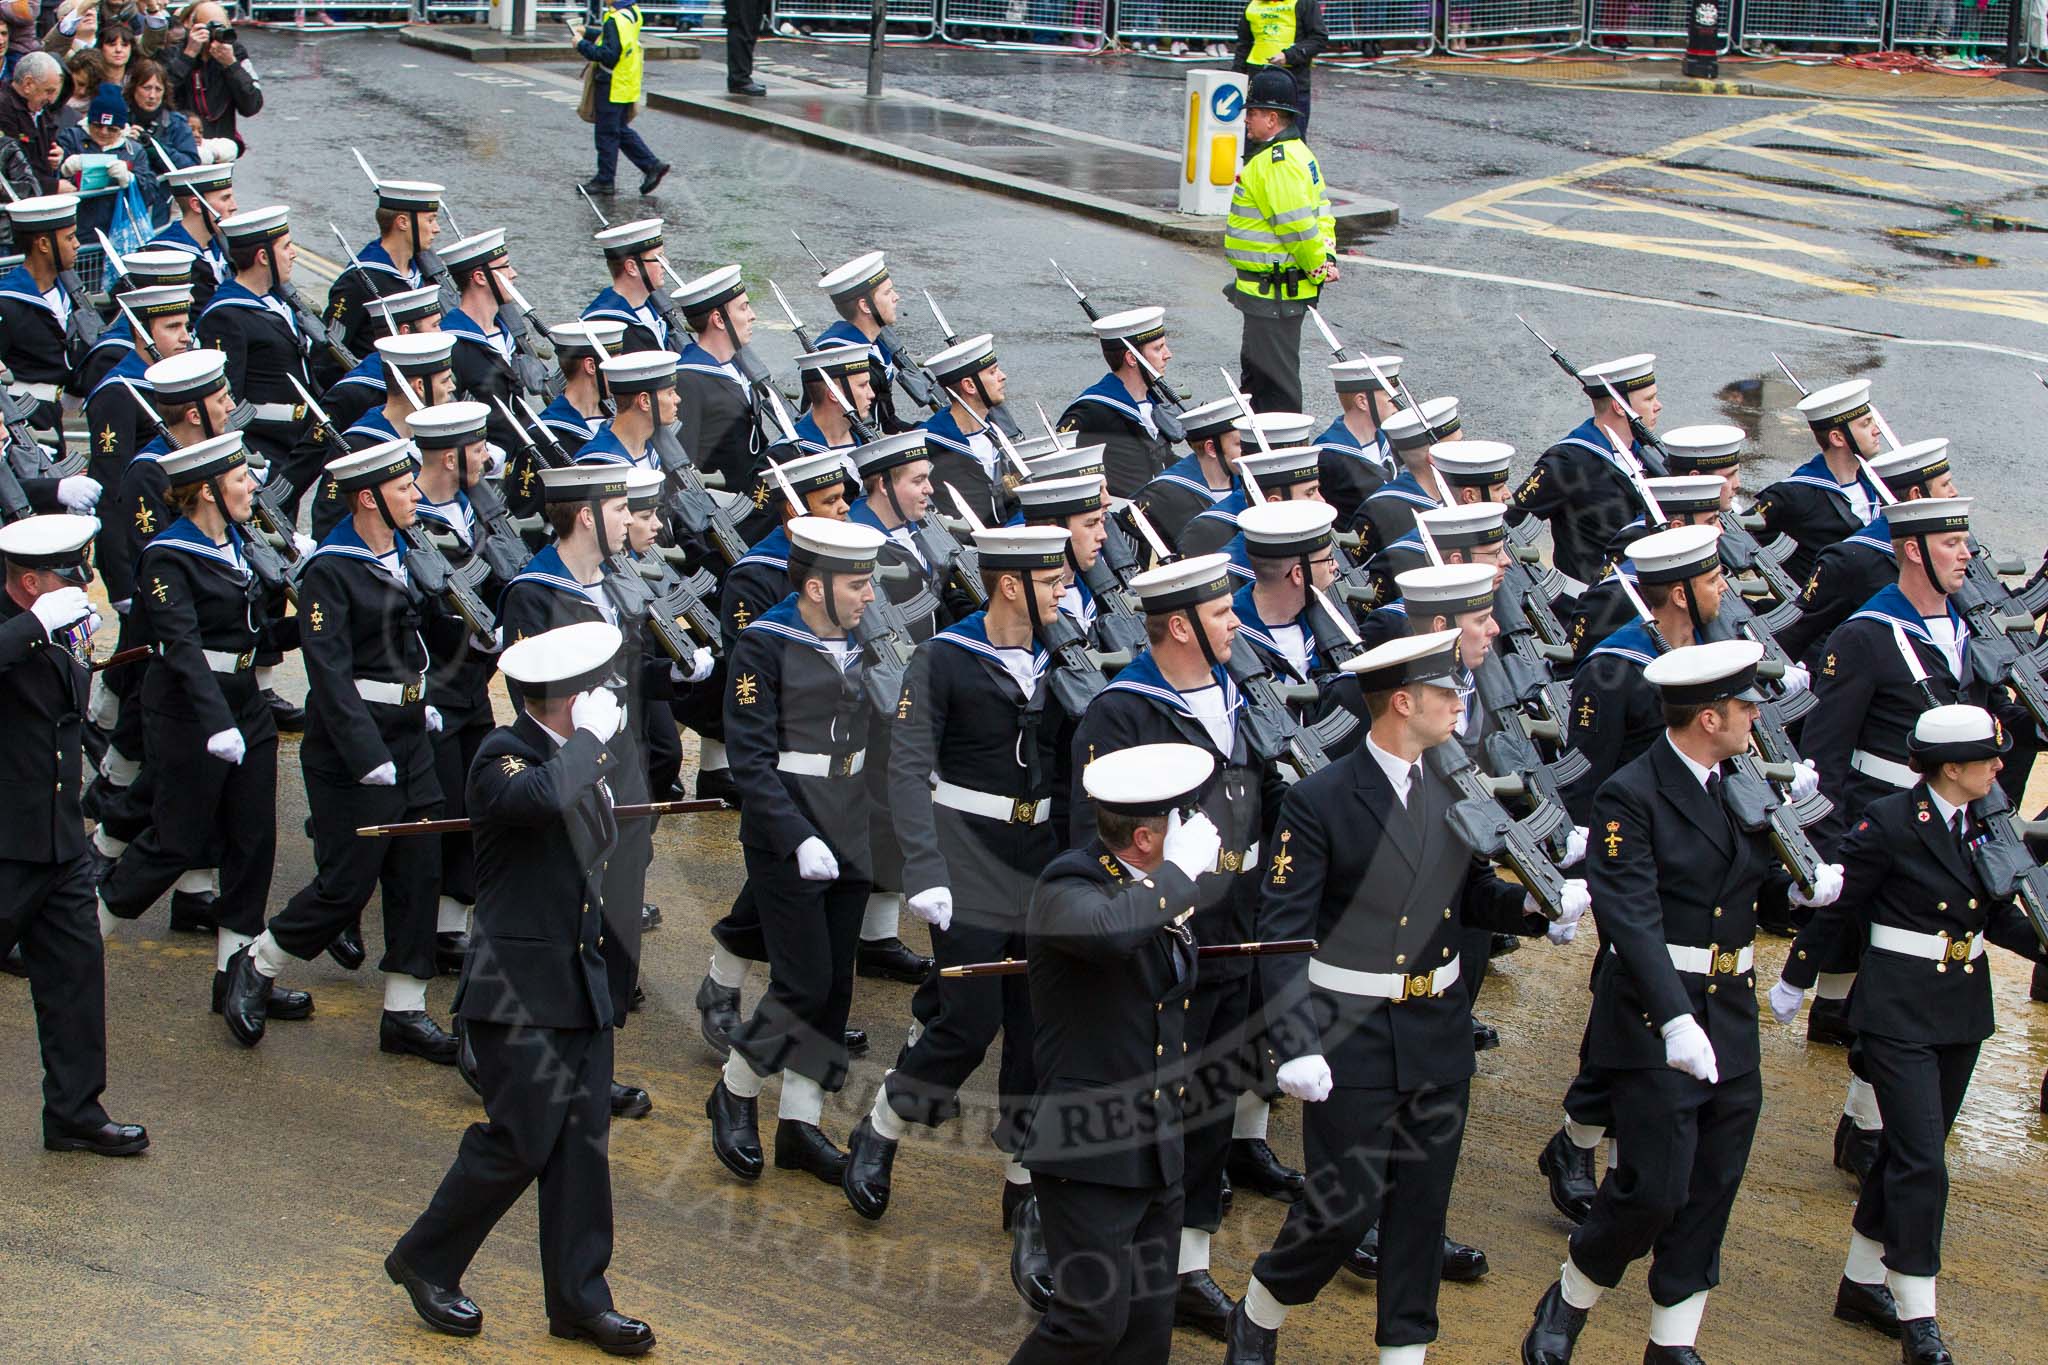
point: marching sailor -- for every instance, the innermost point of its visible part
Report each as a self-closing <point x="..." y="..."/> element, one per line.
<point x="632" y="252"/>
<point x="721" y="427"/>
<point x="1117" y="410"/>
<point x="1581" y="485"/>
<point x="1357" y="455"/>
<point x="1829" y="496"/>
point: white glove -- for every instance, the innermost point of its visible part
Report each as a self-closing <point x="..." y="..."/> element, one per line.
<point x="78" y="493"/>
<point x="214" y="150"/>
<point x="383" y="775"/>
<point x="814" y="861"/>
<point x="61" y="609"/>
<point x="494" y="459"/>
<point x="228" y="746"/>
<point x="698" y="671"/>
<point x="434" y="720"/>
<point x="1797" y="678"/>
<point x="489" y="644"/>
<point x="1577" y="901"/>
<point x="597" y="711"/>
<point x="934" y="906"/>
<point x="1687" y="1049"/>
<point x="1786" y="999"/>
<point x="1805" y="779"/>
<point x="1192" y="844"/>
<point x="68" y="168"/>
<point x="1574" y="847"/>
<point x="120" y="173"/>
<point x="1827" y="888"/>
<point x="1305" y="1078"/>
<point x="304" y="543"/>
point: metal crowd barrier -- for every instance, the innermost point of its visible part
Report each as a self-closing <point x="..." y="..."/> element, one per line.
<point x="686" y="16"/>
<point x="1951" y="23"/>
<point x="1645" y="25"/>
<point x="1195" y="21"/>
<point x="1399" y="25"/>
<point x="1078" y="24"/>
<point x="1860" y="22"/>
<point x="359" y="12"/>
<point x="909" y="21"/>
<point x="1522" y="23"/>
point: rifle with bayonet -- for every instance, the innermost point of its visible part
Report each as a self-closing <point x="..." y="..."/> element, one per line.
<point x="1479" y="819"/>
<point x="1165" y="402"/>
<point x="914" y="379"/>
<point x="1756" y="806"/>
<point x="999" y="416"/>
<point x="1637" y="432"/>
<point x="500" y="545"/>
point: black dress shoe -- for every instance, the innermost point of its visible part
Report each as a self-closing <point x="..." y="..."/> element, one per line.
<point x="290" y="718"/>
<point x="449" y="951"/>
<point x="12" y="963"/>
<point x="1462" y="1264"/>
<point x="651" y="181"/>
<point x="1920" y="1343"/>
<point x="1500" y="945"/>
<point x="1253" y="1167"/>
<point x="1364" y="1259"/>
<point x="414" y="1033"/>
<point x="803" y="1146"/>
<point x="1867" y="1305"/>
<point x="603" y="189"/>
<point x="1653" y="1354"/>
<point x="650" y="917"/>
<point x="1855" y="1149"/>
<point x="192" y="912"/>
<point x="869" y="1158"/>
<point x="444" y="1310"/>
<point x="1030" y="1262"/>
<point x="747" y="88"/>
<point x="630" y="1102"/>
<point x="610" y="1331"/>
<point x="1573" y="1177"/>
<point x="1828" y="1022"/>
<point x="1485" y="1037"/>
<point x="284" y="1004"/>
<point x="245" y="999"/>
<point x="717" y="785"/>
<point x="718" y="1014"/>
<point x="347" y="949"/>
<point x="1557" y="1326"/>
<point x="856" y="1042"/>
<point x="891" y="960"/>
<point x="735" y="1131"/>
<point x="109" y="1139"/>
<point x="1247" y="1343"/>
<point x="1200" y="1303"/>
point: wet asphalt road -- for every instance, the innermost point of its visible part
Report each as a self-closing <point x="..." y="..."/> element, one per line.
<point x="280" y="1177"/>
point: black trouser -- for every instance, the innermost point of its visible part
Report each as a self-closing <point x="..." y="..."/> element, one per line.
<point x="1269" y="358"/>
<point x="664" y="751"/>
<point x="1115" y="1256"/>
<point x="454" y="751"/>
<point x="48" y="909"/>
<point x="203" y="809"/>
<point x="1681" y="1147"/>
<point x="1219" y="1070"/>
<point x="811" y="931"/>
<point x="1919" y="1088"/>
<point x="347" y="869"/>
<point x="1374" y="1156"/>
<point x="1475" y="951"/>
<point x="547" y="1093"/>
<point x="625" y="877"/>
<point x="742" y="28"/>
<point x="298" y="461"/>
<point x="925" y="1085"/>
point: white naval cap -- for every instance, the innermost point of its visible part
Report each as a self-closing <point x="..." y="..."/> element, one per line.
<point x="1431" y="657"/>
<point x="1466" y="525"/>
<point x="1285" y="467"/>
<point x="857" y="276"/>
<point x="561" y="662"/>
<point x="1355" y="376"/>
<point x="1148" y="779"/>
<point x="1070" y="460"/>
<point x="1135" y="325"/>
<point x="448" y="425"/>
<point x="416" y="353"/>
<point x="1446" y="589"/>
<point x="1031" y="447"/>
<point x="807" y="473"/>
<point x="186" y="376"/>
<point x="629" y="239"/>
<point x="1049" y="499"/>
<point x="699" y="296"/>
<point x="408" y="305"/>
<point x="1627" y="375"/>
<point x="1697" y="449"/>
<point x="203" y="459"/>
<point x="483" y="249"/>
<point x="640" y="371"/>
<point x="1716" y="671"/>
<point x="964" y="360"/>
<point x="1184" y="583"/>
<point x="838" y="361"/>
<point x="251" y="225"/>
<point x="590" y="335"/>
<point x="373" y="465"/>
<point x="1927" y="516"/>
<point x="1955" y="734"/>
<point x="1912" y="464"/>
<point x="834" y="546"/>
<point x="1837" y="404"/>
<point x="43" y="212"/>
<point x="1472" y="464"/>
<point x="595" y="482"/>
<point x="1688" y="494"/>
<point x="643" y="487"/>
<point x="160" y="266"/>
<point x="158" y="300"/>
<point x="1279" y="428"/>
<point x="1437" y="420"/>
<point x="1675" y="555"/>
<point x="1286" y="530"/>
<point x="409" y="196"/>
<point x="887" y="452"/>
<point x="1211" y="419"/>
<point x="1022" y="547"/>
<point x="199" y="179"/>
<point x="48" y="540"/>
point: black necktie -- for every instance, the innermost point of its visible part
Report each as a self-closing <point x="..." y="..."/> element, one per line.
<point x="1414" y="785"/>
<point x="1714" y="786"/>
<point x="1956" y="823"/>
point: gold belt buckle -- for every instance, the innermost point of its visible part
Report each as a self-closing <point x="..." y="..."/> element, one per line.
<point x="845" y="765"/>
<point x="1724" y="965"/>
<point x="1959" y="949"/>
<point x="413" y="692"/>
<point x="1024" y="812"/>
<point x="1419" y="986"/>
<point x="244" y="659"/>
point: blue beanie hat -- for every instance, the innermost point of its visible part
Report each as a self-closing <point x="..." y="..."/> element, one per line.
<point x="108" y="109"/>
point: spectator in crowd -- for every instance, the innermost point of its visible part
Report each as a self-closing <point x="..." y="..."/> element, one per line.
<point x="211" y="78"/>
<point x="105" y="132"/>
<point x="150" y="112"/>
<point x="21" y="18"/>
<point x="28" y="119"/>
<point x="117" y="52"/>
<point x="82" y="67"/>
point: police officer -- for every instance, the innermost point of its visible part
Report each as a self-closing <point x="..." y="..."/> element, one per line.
<point x="866" y="299"/>
<point x="46" y="624"/>
<point x="1280" y="240"/>
<point x="1112" y="967"/>
<point x="632" y="252"/>
<point x="408" y="221"/>
<point x="796" y="727"/>
<point x="964" y="453"/>
<point x="613" y="45"/>
<point x="1357" y="456"/>
<point x="1116" y="411"/>
<point x="1374" y="1032"/>
<point x="1916" y="898"/>
<point x="191" y="231"/>
<point x="971" y="771"/>
<point x="1674" y="872"/>
<point x="1829" y="496"/>
<point x="249" y="323"/>
<point x="535" y="1004"/>
<point x="1581" y="485"/>
<point x="367" y="760"/>
<point x="1204" y="478"/>
<point x="721" y="425"/>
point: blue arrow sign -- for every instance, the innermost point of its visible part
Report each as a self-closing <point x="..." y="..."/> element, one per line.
<point x="1227" y="103"/>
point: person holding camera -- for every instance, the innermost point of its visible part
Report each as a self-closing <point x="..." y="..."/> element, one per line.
<point x="211" y="76"/>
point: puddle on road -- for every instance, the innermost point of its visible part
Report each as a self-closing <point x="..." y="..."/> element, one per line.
<point x="1918" y="243"/>
<point x="1766" y="408"/>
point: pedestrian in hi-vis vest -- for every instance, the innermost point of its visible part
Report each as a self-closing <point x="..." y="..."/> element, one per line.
<point x="613" y="43"/>
<point x="1288" y="34"/>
